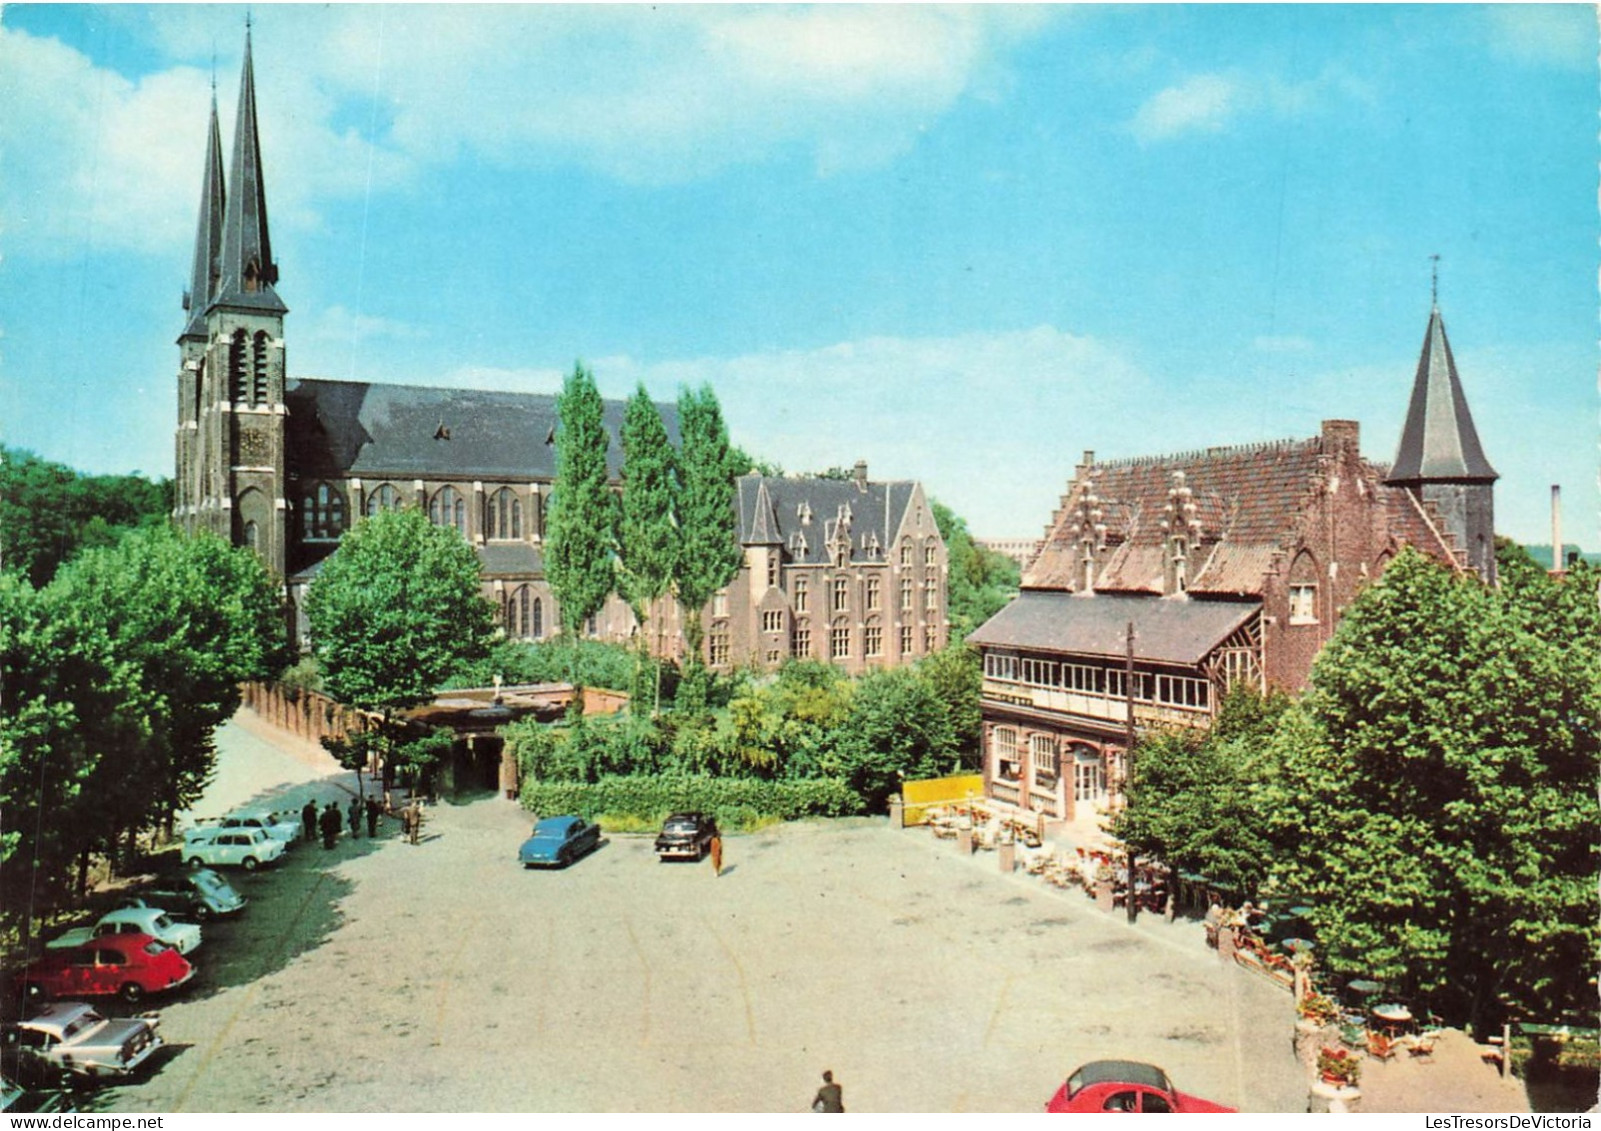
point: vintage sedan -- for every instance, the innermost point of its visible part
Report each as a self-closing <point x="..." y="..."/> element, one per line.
<point x="558" y="841"/>
<point x="1125" y="1085"/>
<point x="69" y="1039"/>
<point x="199" y="894"/>
<point x="228" y="848"/>
<point x="129" y="966"/>
<point x="686" y="836"/>
<point x="152" y="921"/>
<point x="281" y="826"/>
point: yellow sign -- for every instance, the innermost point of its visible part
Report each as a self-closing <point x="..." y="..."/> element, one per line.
<point x="920" y="796"/>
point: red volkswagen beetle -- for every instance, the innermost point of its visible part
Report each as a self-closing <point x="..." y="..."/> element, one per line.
<point x="129" y="966"/>
<point x="1125" y="1085"/>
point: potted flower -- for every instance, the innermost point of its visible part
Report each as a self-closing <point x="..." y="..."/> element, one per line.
<point x="1339" y="1066"/>
<point x="1318" y="1009"/>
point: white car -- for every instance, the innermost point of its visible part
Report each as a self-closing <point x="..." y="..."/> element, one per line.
<point x="68" y="1036"/>
<point x="152" y="921"/>
<point x="241" y="848"/>
<point x="280" y="826"/>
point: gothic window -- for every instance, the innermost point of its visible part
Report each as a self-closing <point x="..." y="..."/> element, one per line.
<point x="385" y="497"/>
<point x="930" y="640"/>
<point x="538" y="625"/>
<point x="906" y="640"/>
<point x="800" y="594"/>
<point x="873" y="639"/>
<point x="1303" y="604"/>
<point x="772" y="567"/>
<point x="773" y="620"/>
<point x="842" y="594"/>
<point x="906" y="553"/>
<point x="931" y="595"/>
<point x="258" y="370"/>
<point x="448" y="507"/>
<point x="717" y="648"/>
<point x="236" y="366"/>
<point x="504" y="519"/>
<point x="801" y="644"/>
<point x="839" y="641"/>
<point x="930" y="556"/>
<point x="906" y="595"/>
<point x="518" y="608"/>
<point x="252" y="536"/>
<point x="872" y="593"/>
<point x="322" y="512"/>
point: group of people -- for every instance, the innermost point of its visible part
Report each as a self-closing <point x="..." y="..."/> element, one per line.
<point x="328" y="822"/>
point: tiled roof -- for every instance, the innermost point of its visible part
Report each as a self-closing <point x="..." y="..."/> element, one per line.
<point x="805" y="514"/>
<point x="375" y="431"/>
<point x="498" y="559"/>
<point x="1174" y="630"/>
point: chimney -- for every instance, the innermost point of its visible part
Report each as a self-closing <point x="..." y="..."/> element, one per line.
<point x="1556" y="528"/>
<point x="1341" y="434"/>
<point x="861" y="475"/>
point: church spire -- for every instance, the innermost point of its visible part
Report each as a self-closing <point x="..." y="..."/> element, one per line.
<point x="208" y="234"/>
<point x="248" y="272"/>
<point x="1439" y="442"/>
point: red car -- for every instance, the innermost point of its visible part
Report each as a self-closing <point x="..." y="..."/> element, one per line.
<point x="1125" y="1085"/>
<point x="130" y="966"/>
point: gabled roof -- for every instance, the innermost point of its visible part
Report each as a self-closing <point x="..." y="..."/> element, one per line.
<point x="208" y="234"/>
<point x="353" y="428"/>
<point x="248" y="271"/>
<point x="1439" y="442"/>
<point x="1174" y="630"/>
<point x="803" y="513"/>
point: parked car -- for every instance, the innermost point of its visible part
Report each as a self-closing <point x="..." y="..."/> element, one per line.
<point x="1125" y="1085"/>
<point x="70" y="1039"/>
<point x="559" y="841"/>
<point x="686" y="836"/>
<point x="152" y="921"/>
<point x="281" y="826"/>
<point x="197" y="894"/>
<point x="127" y="965"/>
<point x="218" y="847"/>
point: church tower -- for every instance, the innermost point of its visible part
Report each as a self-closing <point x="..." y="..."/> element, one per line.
<point x="1439" y="459"/>
<point x="231" y="415"/>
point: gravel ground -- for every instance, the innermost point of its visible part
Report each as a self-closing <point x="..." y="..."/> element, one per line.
<point x="381" y="976"/>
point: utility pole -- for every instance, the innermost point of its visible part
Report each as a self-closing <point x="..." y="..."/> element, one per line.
<point x="1128" y="762"/>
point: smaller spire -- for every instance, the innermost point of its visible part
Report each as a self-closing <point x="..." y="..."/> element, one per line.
<point x="207" y="267"/>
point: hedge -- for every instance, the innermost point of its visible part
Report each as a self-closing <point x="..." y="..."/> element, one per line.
<point x="733" y="801"/>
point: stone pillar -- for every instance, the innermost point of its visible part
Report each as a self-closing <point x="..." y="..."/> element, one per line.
<point x="1007" y="853"/>
<point x="964" y="841"/>
<point x="897" y="812"/>
<point x="1226" y="943"/>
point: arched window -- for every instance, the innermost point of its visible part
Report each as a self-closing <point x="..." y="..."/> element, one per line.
<point x="258" y="370"/>
<point x="538" y="619"/>
<point x="384" y="497"/>
<point x="504" y="517"/>
<point x="237" y="346"/>
<point x="322" y="511"/>
<point x="448" y="508"/>
<point x="252" y="536"/>
<point x="517" y="612"/>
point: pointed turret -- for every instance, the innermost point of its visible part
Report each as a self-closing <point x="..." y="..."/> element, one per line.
<point x="208" y="236"/>
<point x="764" y="522"/>
<point x="248" y="272"/>
<point x="1440" y="460"/>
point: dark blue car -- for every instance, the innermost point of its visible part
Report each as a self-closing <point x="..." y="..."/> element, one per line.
<point x="558" y="841"/>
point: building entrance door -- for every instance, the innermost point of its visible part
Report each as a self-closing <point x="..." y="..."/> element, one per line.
<point x="1089" y="780"/>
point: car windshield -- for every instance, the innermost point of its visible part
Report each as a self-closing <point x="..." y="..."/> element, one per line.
<point x="682" y="824"/>
<point x="208" y="882"/>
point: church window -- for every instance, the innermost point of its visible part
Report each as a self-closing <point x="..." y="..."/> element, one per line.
<point x="236" y="366"/>
<point x="258" y="370"/>
<point x="322" y="512"/>
<point x="448" y="508"/>
<point x="1303" y="604"/>
<point x="505" y="515"/>
<point x="930" y="640"/>
<point x="518" y="609"/>
<point x="252" y="536"/>
<point x="385" y="497"/>
<point x="538" y="619"/>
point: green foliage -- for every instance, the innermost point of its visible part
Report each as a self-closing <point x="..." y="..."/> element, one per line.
<point x="396" y="610"/>
<point x="597" y="664"/>
<point x="898" y="727"/>
<point x="1438" y="787"/>
<point x="981" y="581"/>
<point x="48" y="512"/>
<point x="646" y="534"/>
<point x="734" y="802"/>
<point x="956" y="674"/>
<point x="418" y="758"/>
<point x="709" y="555"/>
<point x="581" y="532"/>
<point x="787" y="727"/>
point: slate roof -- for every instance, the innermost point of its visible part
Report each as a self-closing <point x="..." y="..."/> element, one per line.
<point x="774" y="509"/>
<point x="1172" y="630"/>
<point x="1439" y="441"/>
<point x="498" y="559"/>
<point x="376" y="431"/>
<point x="208" y="234"/>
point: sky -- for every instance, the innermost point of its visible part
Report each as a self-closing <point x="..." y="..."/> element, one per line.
<point x="965" y="245"/>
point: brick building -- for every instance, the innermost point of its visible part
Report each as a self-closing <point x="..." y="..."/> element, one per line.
<point x="1229" y="565"/>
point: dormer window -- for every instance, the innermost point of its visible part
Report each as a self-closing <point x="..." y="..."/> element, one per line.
<point x="804" y="513"/>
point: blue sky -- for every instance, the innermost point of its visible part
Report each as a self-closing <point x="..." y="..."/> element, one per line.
<point x="963" y="244"/>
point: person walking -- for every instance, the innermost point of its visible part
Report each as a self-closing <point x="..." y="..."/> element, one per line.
<point x="717" y="853"/>
<point x="830" y="1097"/>
<point x="355" y="818"/>
<point x="308" y="818"/>
<point x="330" y="824"/>
<point x="414" y="819"/>
<point x="373" y="809"/>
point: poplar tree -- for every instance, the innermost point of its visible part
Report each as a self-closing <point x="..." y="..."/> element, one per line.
<point x="709" y="555"/>
<point x="646" y="535"/>
<point x="581" y="532"/>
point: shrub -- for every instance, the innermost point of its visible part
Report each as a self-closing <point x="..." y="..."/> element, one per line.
<point x="737" y="803"/>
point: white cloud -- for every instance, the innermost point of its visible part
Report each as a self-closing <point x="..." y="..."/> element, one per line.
<point x="1199" y="103"/>
<point x="1562" y="35"/>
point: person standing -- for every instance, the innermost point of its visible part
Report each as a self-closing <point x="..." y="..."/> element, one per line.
<point x="373" y="809"/>
<point x="717" y="853"/>
<point x="414" y="822"/>
<point x="308" y="818"/>
<point x="355" y="818"/>
<point x="330" y="825"/>
<point x="830" y="1097"/>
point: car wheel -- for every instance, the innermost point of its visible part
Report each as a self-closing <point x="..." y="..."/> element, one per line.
<point x="248" y="863"/>
<point x="200" y="911"/>
<point x="132" y="993"/>
<point x="196" y="862"/>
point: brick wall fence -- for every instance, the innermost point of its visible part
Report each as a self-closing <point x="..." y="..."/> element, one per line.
<point x="309" y="715"/>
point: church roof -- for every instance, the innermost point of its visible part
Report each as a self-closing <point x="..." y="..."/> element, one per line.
<point x="804" y="513"/>
<point x="1175" y="630"/>
<point x="1439" y="441"/>
<point x="376" y="431"/>
<point x="248" y="271"/>
<point x="208" y="234"/>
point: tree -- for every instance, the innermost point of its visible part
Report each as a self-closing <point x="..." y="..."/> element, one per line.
<point x="646" y="532"/>
<point x="1436" y="799"/>
<point x="898" y="727"/>
<point x="956" y="673"/>
<point x="582" y="530"/>
<point x="709" y="554"/>
<point x="981" y="581"/>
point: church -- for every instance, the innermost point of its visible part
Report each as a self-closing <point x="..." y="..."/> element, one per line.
<point x="1163" y="581"/>
<point x="851" y="572"/>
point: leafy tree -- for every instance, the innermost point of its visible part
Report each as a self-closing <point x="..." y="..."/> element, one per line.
<point x="581" y="533"/>
<point x="1437" y="785"/>
<point x="396" y="610"/>
<point x="646" y="533"/>
<point x="981" y="581"/>
<point x="709" y="554"/>
<point x="786" y="727"/>
<point x="956" y="673"/>
<point x="898" y="727"/>
<point x="48" y="512"/>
